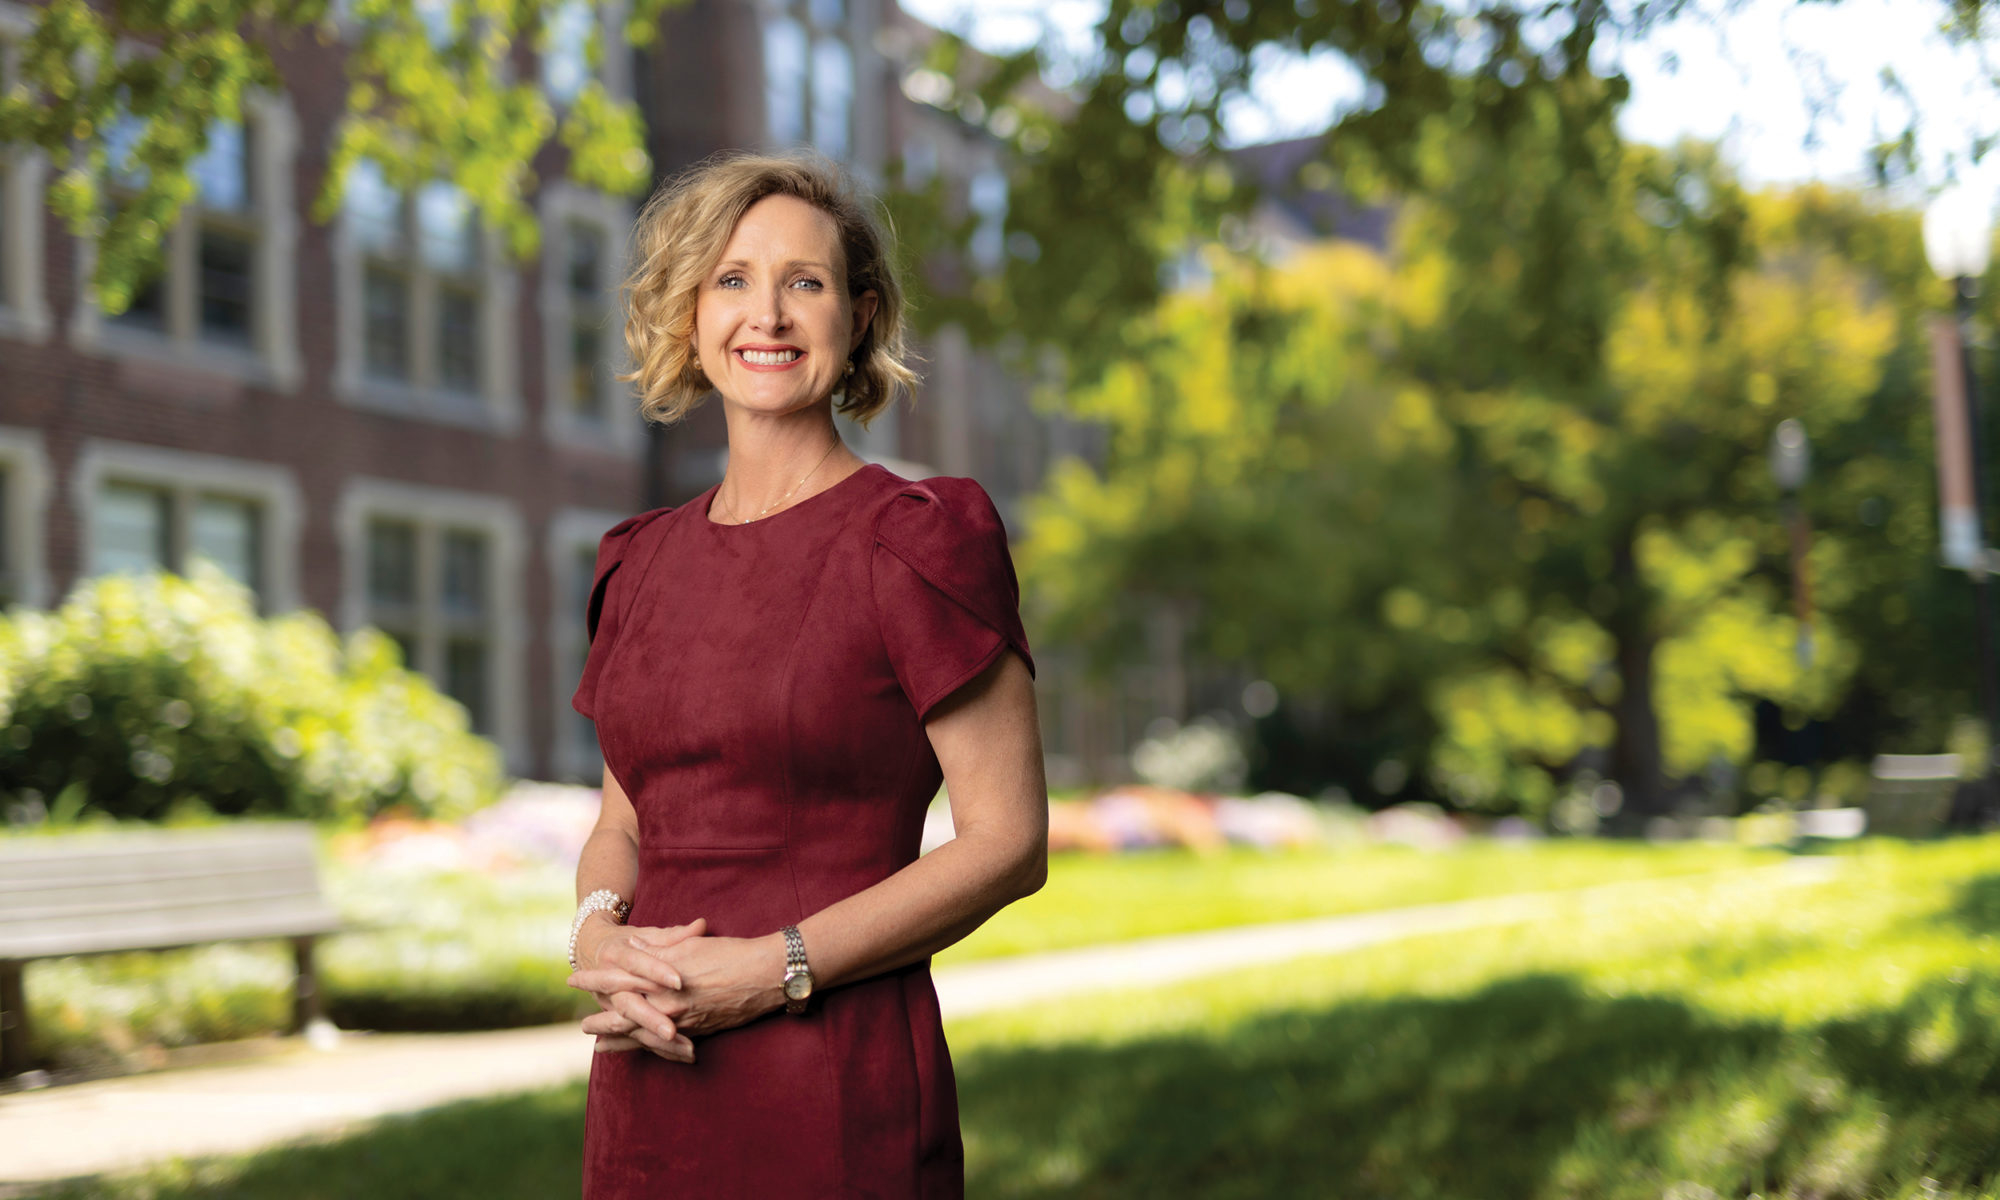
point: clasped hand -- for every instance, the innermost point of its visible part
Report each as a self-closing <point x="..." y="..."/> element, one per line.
<point x="657" y="985"/>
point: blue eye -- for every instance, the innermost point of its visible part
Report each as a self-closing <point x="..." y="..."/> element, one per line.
<point x="810" y="281"/>
<point x="729" y="280"/>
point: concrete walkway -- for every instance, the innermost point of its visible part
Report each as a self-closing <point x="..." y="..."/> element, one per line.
<point x="120" y="1124"/>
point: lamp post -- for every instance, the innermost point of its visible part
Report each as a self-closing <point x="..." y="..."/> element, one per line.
<point x="1791" y="461"/>
<point x="1958" y="241"/>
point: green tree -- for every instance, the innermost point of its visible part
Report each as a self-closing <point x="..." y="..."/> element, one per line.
<point x="1519" y="479"/>
<point x="1114" y="172"/>
<point x="437" y="89"/>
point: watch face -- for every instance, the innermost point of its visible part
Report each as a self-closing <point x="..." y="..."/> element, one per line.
<point x="798" y="985"/>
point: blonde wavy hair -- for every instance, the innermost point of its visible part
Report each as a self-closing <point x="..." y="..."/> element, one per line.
<point x="680" y="235"/>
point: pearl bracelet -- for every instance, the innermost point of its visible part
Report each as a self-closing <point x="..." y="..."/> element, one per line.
<point x="601" y="900"/>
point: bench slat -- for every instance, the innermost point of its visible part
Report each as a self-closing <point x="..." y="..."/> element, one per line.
<point x="164" y="936"/>
<point x="154" y="889"/>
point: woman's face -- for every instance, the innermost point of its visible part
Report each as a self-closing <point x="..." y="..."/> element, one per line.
<point x="774" y="323"/>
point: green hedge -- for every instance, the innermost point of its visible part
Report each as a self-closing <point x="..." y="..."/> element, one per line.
<point x="148" y="696"/>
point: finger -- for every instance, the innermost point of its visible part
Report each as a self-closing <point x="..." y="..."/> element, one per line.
<point x="612" y="1045"/>
<point x="612" y="1022"/>
<point x="680" y="1050"/>
<point x="672" y="1005"/>
<point x="608" y="977"/>
<point x="670" y="935"/>
<point x="643" y="958"/>
<point x="645" y="1016"/>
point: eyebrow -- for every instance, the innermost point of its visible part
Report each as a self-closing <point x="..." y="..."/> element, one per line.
<point x="797" y="262"/>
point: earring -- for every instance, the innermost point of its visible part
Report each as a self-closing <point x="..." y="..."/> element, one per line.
<point x="849" y="369"/>
<point x="694" y="362"/>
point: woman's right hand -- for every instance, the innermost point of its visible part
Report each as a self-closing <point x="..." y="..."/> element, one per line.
<point x="619" y="965"/>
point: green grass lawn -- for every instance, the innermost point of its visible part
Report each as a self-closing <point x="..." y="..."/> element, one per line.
<point x="1702" y="1038"/>
<point x="1091" y="899"/>
<point x="468" y="951"/>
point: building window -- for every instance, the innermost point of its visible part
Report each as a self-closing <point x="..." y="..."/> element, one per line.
<point x="10" y="570"/>
<point x="986" y="195"/>
<point x="430" y="299"/>
<point x="429" y="586"/>
<point x="146" y="508"/>
<point x="423" y="297"/>
<point x="23" y="312"/>
<point x="24" y="473"/>
<point x="580" y="733"/>
<point x="809" y="77"/>
<point x="583" y="256"/>
<point x="587" y="315"/>
<point x="218" y="295"/>
<point x="219" y="225"/>
<point x="140" y="526"/>
<point x="571" y="550"/>
<point x="228" y="234"/>
<point x="566" y="53"/>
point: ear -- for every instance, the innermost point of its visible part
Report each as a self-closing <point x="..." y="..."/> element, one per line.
<point x="864" y="311"/>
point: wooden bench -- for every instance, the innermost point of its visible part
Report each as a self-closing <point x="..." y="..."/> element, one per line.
<point x="1910" y="794"/>
<point x="155" y="889"/>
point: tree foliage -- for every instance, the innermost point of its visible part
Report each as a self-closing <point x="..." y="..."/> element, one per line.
<point x="1114" y="172"/>
<point x="1515" y="474"/>
<point x="437" y="89"/>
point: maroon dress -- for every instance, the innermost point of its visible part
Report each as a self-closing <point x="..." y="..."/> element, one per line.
<point x="759" y="692"/>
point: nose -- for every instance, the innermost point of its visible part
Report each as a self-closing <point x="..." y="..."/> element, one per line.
<point x="774" y="316"/>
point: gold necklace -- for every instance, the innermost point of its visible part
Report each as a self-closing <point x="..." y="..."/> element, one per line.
<point x="788" y="495"/>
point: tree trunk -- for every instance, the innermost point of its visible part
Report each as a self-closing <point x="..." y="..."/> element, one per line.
<point x="1635" y="748"/>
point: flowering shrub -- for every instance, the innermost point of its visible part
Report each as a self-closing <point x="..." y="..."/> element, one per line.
<point x="1203" y="755"/>
<point x="146" y="695"/>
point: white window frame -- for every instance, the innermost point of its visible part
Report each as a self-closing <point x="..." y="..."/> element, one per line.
<point x="865" y="134"/>
<point x="187" y="476"/>
<point x="271" y="140"/>
<point x="26" y="458"/>
<point x="571" y="530"/>
<point x="621" y="431"/>
<point x="24" y="310"/>
<point x="496" y="406"/>
<point x="432" y="510"/>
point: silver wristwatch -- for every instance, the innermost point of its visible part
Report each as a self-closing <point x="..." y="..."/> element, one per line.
<point x="798" y="976"/>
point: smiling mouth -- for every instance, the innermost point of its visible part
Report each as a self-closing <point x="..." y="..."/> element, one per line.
<point x="769" y="358"/>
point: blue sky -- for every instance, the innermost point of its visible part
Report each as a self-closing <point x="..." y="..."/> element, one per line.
<point x="1747" y="76"/>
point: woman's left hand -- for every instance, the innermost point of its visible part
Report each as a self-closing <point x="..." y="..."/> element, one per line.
<point x="725" y="982"/>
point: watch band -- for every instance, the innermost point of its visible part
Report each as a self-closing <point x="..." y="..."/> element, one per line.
<point x="795" y="967"/>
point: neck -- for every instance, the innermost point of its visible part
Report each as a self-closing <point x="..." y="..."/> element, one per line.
<point x="770" y="457"/>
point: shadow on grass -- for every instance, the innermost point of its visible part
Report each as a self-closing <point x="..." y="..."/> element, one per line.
<point x="1978" y="907"/>
<point x="1529" y="1088"/>
<point x="1532" y="1087"/>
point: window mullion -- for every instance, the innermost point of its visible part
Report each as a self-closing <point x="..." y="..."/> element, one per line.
<point x="420" y="339"/>
<point x="180" y="510"/>
<point x="428" y="635"/>
<point x="182" y="283"/>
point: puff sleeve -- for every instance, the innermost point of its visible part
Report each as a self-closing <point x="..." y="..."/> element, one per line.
<point x="606" y="607"/>
<point x="946" y="595"/>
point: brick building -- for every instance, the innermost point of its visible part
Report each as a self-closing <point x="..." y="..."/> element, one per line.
<point x="386" y="419"/>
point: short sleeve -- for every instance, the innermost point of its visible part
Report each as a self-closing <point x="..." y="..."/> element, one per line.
<point x="606" y="607"/>
<point x="946" y="595"/>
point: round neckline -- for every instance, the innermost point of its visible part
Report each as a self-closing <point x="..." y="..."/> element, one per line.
<point x="708" y="497"/>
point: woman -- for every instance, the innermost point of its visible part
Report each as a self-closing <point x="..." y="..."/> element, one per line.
<point x="782" y="670"/>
